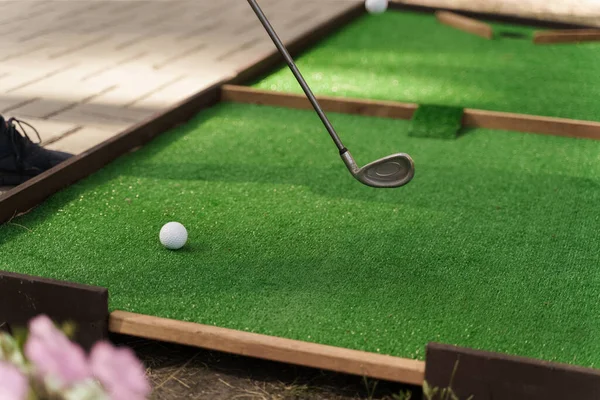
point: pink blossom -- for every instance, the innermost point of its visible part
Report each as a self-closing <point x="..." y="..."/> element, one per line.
<point x="119" y="371"/>
<point x="13" y="384"/>
<point x="53" y="354"/>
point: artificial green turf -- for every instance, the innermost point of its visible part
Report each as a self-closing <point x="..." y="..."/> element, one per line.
<point x="410" y="57"/>
<point x="431" y="121"/>
<point x="493" y="245"/>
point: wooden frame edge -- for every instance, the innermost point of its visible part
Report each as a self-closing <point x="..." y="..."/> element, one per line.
<point x="566" y="36"/>
<point x="23" y="297"/>
<point x="488" y="375"/>
<point x="465" y="24"/>
<point x="373" y="108"/>
<point x="271" y="348"/>
<point x="472" y="118"/>
<point x="572" y="128"/>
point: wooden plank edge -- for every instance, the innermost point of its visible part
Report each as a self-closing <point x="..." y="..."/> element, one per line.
<point x="23" y="297"/>
<point x="465" y="24"/>
<point x="374" y="108"/>
<point x="472" y="118"/>
<point x="531" y="124"/>
<point x="271" y="348"/>
<point x="566" y="36"/>
<point x="26" y="196"/>
<point x="489" y="375"/>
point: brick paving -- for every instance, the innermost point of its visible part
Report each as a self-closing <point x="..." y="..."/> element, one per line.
<point x="83" y="71"/>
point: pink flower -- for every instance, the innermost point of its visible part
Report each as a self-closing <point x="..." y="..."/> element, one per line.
<point x="53" y="354"/>
<point x="119" y="371"/>
<point x="13" y="384"/>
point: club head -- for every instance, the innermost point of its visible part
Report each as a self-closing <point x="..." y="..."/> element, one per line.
<point x="388" y="172"/>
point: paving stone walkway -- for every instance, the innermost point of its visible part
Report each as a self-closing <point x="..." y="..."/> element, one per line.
<point x="83" y="71"/>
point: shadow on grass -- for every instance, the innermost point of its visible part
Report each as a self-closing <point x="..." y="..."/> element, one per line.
<point x="513" y="35"/>
<point x="435" y="188"/>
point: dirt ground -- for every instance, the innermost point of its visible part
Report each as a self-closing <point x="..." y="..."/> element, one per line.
<point x="180" y="372"/>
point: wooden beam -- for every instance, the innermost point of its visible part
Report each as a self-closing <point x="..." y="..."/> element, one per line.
<point x="487" y="375"/>
<point x="23" y="297"/>
<point x="472" y="118"/>
<point x="566" y="36"/>
<point x="531" y="124"/>
<point x="296" y="352"/>
<point x="248" y="95"/>
<point x="465" y="24"/>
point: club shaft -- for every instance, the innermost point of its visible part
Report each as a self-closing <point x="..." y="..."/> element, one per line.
<point x="290" y="62"/>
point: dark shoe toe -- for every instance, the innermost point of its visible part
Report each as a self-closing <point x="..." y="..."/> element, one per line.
<point x="56" y="157"/>
<point x="43" y="159"/>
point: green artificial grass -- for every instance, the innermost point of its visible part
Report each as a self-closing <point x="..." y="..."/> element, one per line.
<point x="431" y="121"/>
<point x="410" y="57"/>
<point x="493" y="245"/>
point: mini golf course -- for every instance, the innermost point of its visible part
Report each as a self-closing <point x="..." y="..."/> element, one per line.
<point x="492" y="246"/>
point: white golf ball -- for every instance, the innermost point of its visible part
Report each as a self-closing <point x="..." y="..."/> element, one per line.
<point x="376" y="6"/>
<point x="173" y="235"/>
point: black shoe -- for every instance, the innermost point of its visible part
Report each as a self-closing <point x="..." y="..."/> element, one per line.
<point x="20" y="158"/>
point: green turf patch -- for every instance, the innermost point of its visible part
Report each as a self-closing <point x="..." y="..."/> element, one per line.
<point x="411" y="57"/>
<point x="438" y="122"/>
<point x="493" y="245"/>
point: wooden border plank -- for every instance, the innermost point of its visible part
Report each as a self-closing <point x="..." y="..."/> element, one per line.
<point x="531" y="124"/>
<point x="23" y="297"/>
<point x="465" y="24"/>
<point x="373" y="108"/>
<point x="566" y="36"/>
<point x="272" y="348"/>
<point x="472" y="118"/>
<point x="487" y="376"/>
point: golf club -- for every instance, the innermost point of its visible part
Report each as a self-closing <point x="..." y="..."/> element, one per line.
<point x="388" y="172"/>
